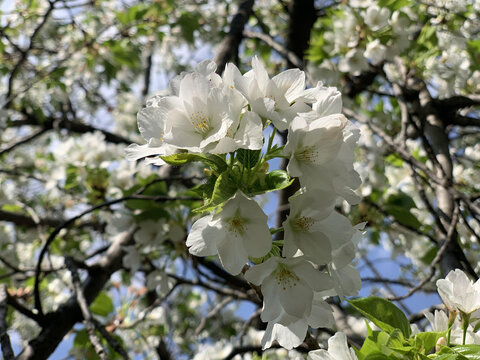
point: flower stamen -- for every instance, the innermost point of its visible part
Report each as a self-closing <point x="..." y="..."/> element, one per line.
<point x="285" y="277"/>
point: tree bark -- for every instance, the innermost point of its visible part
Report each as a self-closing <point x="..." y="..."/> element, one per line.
<point x="436" y="133"/>
<point x="228" y="48"/>
<point x="302" y="17"/>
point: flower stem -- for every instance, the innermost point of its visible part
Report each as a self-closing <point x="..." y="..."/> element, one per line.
<point x="465" y="323"/>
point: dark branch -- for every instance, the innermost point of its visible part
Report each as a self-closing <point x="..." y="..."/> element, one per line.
<point x="228" y="48"/>
<point x="25" y="140"/>
<point x="23" y="220"/>
<point x="61" y="321"/>
<point x="73" y="126"/>
<point x="462" y="120"/>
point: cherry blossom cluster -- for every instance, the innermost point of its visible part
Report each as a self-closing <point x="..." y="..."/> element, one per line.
<point x="461" y="297"/>
<point x="218" y="118"/>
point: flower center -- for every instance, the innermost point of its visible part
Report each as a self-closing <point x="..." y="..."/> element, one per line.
<point x="274" y="101"/>
<point x="285" y="277"/>
<point x="236" y="224"/>
<point x="200" y="122"/>
<point x="308" y="153"/>
<point x="302" y="223"/>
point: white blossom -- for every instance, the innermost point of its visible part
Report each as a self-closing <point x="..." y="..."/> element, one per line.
<point x="337" y="350"/>
<point x="236" y="232"/>
<point x="353" y="62"/>
<point x="375" y="51"/>
<point x="288" y="286"/>
<point x="458" y="292"/>
<point x="321" y="154"/>
<point x="377" y="18"/>
<point x="275" y="99"/>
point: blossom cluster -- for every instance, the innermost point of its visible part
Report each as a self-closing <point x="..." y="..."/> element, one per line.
<point x="223" y="119"/>
<point x="368" y="34"/>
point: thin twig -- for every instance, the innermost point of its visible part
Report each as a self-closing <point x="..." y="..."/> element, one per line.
<point x="87" y="315"/>
<point x="435" y="261"/>
<point x="387" y="286"/>
<point x="69" y="222"/>
<point x="401" y="151"/>
<point x="144" y="313"/>
<point x="213" y="313"/>
<point x="25" y="140"/>
<point x="279" y="48"/>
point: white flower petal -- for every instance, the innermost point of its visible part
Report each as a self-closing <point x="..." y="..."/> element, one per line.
<point x="257" y="273"/>
<point x="257" y="240"/>
<point x="338" y="347"/>
<point x="320" y="355"/>
<point x="199" y="244"/>
<point x="289" y="336"/>
<point x="291" y="83"/>
<point x="297" y="299"/>
<point x="272" y="308"/>
<point x="316" y="279"/>
<point x="151" y="122"/>
<point x="321" y="314"/>
<point x="232" y="254"/>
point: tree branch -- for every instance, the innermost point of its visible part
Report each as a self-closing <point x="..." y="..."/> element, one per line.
<point x="279" y="48"/>
<point x="435" y="261"/>
<point x="73" y="126"/>
<point x="87" y="315"/>
<point x="228" y="48"/>
<point x="25" y="140"/>
<point x="24" y="220"/>
<point x="462" y="120"/>
<point x="61" y="321"/>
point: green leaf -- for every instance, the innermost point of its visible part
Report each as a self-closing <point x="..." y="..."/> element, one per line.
<point x="248" y="158"/>
<point x="428" y="257"/>
<point x="394" y="4"/>
<point x="189" y="22"/>
<point x="401" y="199"/>
<point x="377" y="356"/>
<point x="102" y="305"/>
<point x="371" y="344"/>
<point x="427" y="37"/>
<point x="12" y="208"/>
<point x="154" y="213"/>
<point x="399" y="205"/>
<point x="403" y="216"/>
<point x="471" y="352"/>
<point x="275" y="151"/>
<point x="274" y="180"/>
<point x="225" y="188"/>
<point x="394" y="160"/>
<point x="426" y="341"/>
<point x="383" y="313"/>
<point x="215" y="162"/>
<point x="81" y="338"/>
<point x="447" y="353"/>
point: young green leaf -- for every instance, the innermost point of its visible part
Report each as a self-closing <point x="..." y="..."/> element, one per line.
<point x="102" y="305"/>
<point x="426" y="341"/>
<point x="248" y="158"/>
<point x="383" y="313"/>
<point x="215" y="162"/>
<point x="225" y="188"/>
